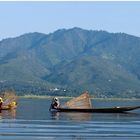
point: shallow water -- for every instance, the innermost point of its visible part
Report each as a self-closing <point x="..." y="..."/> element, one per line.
<point x="32" y="120"/>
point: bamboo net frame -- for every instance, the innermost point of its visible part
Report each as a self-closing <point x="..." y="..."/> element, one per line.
<point x="8" y="97"/>
<point x="83" y="101"/>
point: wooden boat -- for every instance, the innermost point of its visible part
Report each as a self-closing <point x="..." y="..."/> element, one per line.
<point x="83" y="104"/>
<point x="98" y="110"/>
<point x="6" y="108"/>
<point x="9" y="107"/>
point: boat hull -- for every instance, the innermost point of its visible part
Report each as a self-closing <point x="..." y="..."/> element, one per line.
<point x="8" y="107"/>
<point x="99" y="110"/>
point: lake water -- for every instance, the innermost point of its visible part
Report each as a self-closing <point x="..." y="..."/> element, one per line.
<point x="32" y="120"/>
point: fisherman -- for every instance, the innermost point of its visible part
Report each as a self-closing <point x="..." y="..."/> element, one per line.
<point x="1" y="102"/>
<point x="55" y="103"/>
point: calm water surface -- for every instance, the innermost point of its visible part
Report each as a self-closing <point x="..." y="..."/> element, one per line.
<point x="32" y="120"/>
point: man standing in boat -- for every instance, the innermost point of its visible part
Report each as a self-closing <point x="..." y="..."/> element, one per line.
<point x="55" y="103"/>
<point x="1" y="102"/>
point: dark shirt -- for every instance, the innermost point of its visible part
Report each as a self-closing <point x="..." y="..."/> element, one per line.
<point x="0" y="105"/>
<point x="54" y="105"/>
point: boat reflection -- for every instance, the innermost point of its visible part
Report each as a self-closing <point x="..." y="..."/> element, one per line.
<point x="78" y="116"/>
<point x="8" y="114"/>
<point x="71" y="116"/>
<point x="90" y="116"/>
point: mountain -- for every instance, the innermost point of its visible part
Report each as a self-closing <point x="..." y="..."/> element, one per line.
<point x="70" y="61"/>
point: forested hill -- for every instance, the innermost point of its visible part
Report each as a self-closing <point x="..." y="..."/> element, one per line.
<point x="70" y="61"/>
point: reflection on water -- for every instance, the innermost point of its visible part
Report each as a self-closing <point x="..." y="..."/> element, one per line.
<point x="93" y="116"/>
<point x="8" y="114"/>
<point x="55" y="115"/>
<point x="32" y="120"/>
<point x="78" y="116"/>
<point x="71" y="116"/>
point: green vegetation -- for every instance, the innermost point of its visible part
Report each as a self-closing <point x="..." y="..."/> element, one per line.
<point x="68" y="62"/>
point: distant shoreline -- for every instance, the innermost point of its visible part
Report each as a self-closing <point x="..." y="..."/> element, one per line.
<point x="68" y="97"/>
<point x="42" y="96"/>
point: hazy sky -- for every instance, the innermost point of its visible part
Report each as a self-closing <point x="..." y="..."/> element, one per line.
<point x="17" y="18"/>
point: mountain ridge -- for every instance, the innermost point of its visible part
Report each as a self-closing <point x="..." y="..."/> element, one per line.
<point x="74" y="59"/>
